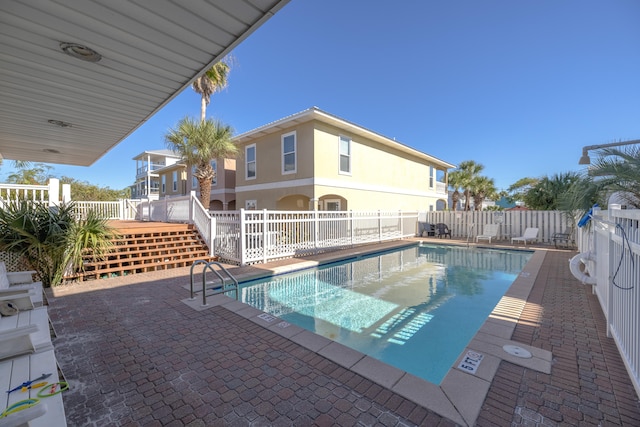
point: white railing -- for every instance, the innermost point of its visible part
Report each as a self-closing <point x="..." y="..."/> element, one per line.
<point x="249" y="237"/>
<point x="613" y="238"/>
<point x="47" y="194"/>
<point x="512" y="223"/>
<point x="187" y="209"/>
<point x="124" y="209"/>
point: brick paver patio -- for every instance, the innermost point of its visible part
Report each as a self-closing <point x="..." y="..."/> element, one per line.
<point x="134" y="354"/>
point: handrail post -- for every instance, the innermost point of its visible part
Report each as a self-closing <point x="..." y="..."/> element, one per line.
<point x="243" y="237"/>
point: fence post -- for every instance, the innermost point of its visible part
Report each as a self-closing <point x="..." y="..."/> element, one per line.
<point x="66" y="193"/>
<point x="265" y="235"/>
<point x="352" y="225"/>
<point x="243" y="238"/>
<point x="54" y="191"/>
<point x="316" y="231"/>
<point x="212" y="234"/>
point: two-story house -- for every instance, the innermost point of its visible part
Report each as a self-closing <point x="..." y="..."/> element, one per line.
<point x="148" y="163"/>
<point x="315" y="160"/>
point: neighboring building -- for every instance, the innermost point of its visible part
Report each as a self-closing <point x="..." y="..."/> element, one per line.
<point x="147" y="183"/>
<point x="315" y="160"/>
<point x="486" y="203"/>
<point x="178" y="180"/>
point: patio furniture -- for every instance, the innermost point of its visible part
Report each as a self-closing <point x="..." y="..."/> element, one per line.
<point x="12" y="282"/>
<point x="530" y="234"/>
<point x="425" y="229"/>
<point x="564" y="237"/>
<point x="442" y="230"/>
<point x="490" y="231"/>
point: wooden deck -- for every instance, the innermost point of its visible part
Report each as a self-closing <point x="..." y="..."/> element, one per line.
<point x="148" y="246"/>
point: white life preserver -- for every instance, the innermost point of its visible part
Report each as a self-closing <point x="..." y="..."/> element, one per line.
<point x="582" y="275"/>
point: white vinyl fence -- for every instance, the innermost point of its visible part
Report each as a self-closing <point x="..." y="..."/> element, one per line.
<point x="248" y="237"/>
<point x="612" y="239"/>
<point x="512" y="223"/>
<point x="125" y="209"/>
<point x="47" y="194"/>
<point x="187" y="209"/>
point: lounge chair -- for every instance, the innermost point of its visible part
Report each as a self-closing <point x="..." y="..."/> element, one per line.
<point x="490" y="231"/>
<point x="530" y="234"/>
<point x="442" y="230"/>
<point x="12" y="282"/>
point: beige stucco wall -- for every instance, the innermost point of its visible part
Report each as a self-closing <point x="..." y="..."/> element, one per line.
<point x="381" y="177"/>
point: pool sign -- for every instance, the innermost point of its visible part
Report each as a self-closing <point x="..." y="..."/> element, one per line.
<point x="470" y="362"/>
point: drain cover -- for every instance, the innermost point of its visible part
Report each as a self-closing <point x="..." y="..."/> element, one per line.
<point x="514" y="350"/>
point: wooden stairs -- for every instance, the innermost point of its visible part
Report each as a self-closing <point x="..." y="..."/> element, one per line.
<point x="148" y="246"/>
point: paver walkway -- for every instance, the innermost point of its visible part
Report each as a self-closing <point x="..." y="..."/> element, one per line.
<point x="135" y="355"/>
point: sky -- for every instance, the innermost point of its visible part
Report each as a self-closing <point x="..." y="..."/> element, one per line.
<point x="519" y="86"/>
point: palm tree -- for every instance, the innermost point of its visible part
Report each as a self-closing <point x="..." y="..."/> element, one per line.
<point x="200" y="142"/>
<point x="53" y="240"/>
<point x="618" y="170"/>
<point x="212" y="81"/>
<point x="455" y="182"/>
<point x="481" y="188"/>
<point x="545" y="193"/>
<point x="464" y="176"/>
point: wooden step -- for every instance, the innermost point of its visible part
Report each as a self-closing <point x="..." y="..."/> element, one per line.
<point x="147" y="246"/>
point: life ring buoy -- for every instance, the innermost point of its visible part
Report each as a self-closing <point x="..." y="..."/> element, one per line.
<point x="582" y="275"/>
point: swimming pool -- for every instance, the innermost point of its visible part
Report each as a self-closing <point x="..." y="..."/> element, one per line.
<point x="414" y="308"/>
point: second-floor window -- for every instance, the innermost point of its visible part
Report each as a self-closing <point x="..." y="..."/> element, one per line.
<point x="214" y="165"/>
<point x="175" y="180"/>
<point x="250" y="161"/>
<point x="345" y="155"/>
<point x="289" y="153"/>
<point x="164" y="184"/>
<point x="194" y="180"/>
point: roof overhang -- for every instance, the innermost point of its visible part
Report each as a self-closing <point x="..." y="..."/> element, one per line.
<point x="56" y="108"/>
<point x="315" y="113"/>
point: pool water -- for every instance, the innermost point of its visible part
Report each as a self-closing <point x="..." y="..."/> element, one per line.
<point x="414" y="308"/>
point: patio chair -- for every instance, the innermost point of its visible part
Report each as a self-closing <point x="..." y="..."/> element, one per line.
<point x="13" y="282"/>
<point x="490" y="231"/>
<point x="530" y="234"/>
<point x="442" y="230"/>
<point x="564" y="237"/>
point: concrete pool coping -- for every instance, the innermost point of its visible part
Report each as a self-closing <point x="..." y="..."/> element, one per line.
<point x="461" y="394"/>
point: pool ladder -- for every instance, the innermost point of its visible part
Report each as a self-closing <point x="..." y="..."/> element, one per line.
<point x="469" y="229"/>
<point x="221" y="287"/>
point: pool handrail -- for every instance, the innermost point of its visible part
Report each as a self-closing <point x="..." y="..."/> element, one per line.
<point x="222" y="289"/>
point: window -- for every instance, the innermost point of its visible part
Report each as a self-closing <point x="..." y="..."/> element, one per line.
<point x="214" y="165"/>
<point x="250" y="205"/>
<point x="164" y="184"/>
<point x="250" y="161"/>
<point x="289" y="153"/>
<point x="431" y="176"/>
<point x="194" y="180"/>
<point x="345" y="154"/>
<point x="332" y="204"/>
<point x="175" y="181"/>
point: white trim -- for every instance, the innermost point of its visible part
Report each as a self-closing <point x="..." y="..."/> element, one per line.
<point x="246" y="162"/>
<point x="326" y="182"/>
<point x="295" y="153"/>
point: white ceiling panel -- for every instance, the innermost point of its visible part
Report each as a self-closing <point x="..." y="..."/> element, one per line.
<point x="151" y="50"/>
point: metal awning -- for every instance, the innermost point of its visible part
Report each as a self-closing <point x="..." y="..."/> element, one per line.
<point x="58" y="107"/>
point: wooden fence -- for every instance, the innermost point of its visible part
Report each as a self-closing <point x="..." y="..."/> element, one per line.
<point x="512" y="223"/>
